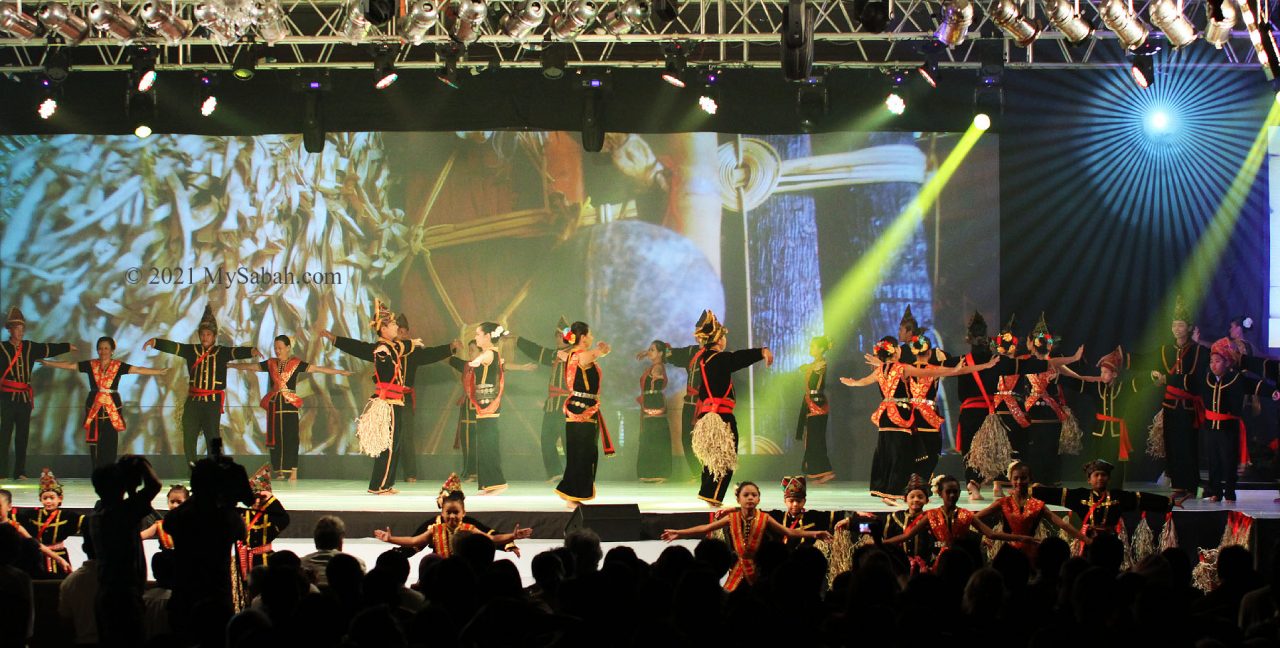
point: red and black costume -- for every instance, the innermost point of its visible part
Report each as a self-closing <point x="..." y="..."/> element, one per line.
<point x="1183" y="412"/>
<point x="812" y="426"/>
<point x="16" y="397"/>
<point x="745" y="537"/>
<point x="654" y="459"/>
<point x="894" y="457"/>
<point x="103" y="420"/>
<point x="52" y="531"/>
<point x="716" y="394"/>
<point x="262" y="525"/>
<point x="583" y="425"/>
<point x="283" y="407"/>
<point x="688" y="357"/>
<point x="1099" y="511"/>
<point x="926" y="429"/>
<point x="553" y="408"/>
<point x="482" y="387"/>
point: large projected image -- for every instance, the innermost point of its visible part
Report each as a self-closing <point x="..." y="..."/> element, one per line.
<point x="132" y="238"/>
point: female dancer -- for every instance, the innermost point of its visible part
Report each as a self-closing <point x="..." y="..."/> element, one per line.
<point x="176" y="496"/>
<point x="654" y="462"/>
<point x="926" y="432"/>
<point x="1022" y="513"/>
<point x="103" y="422"/>
<point x="814" y="408"/>
<point x="747" y="526"/>
<point x="453" y="518"/>
<point x="283" y="404"/>
<point x="483" y="382"/>
<point x="583" y="422"/>
<point x="949" y="523"/>
<point x="895" y="452"/>
<point x="1048" y="414"/>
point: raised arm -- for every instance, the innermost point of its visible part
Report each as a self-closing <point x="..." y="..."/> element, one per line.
<point x="56" y="364"/>
<point x="916" y="529"/>
<point x="503" y="539"/>
<point x="600" y="350"/>
<point x="538" y="353"/>
<point x="484" y="359"/>
<point x="148" y="371"/>
<point x="349" y="346"/>
<point x="326" y="370"/>
<point x="417" y="542"/>
<point x="425" y="355"/>
<point x="244" y="353"/>
<point x="1068" y="371"/>
<point x="1066" y="360"/>
<point x="48" y="349"/>
<point x="245" y="366"/>
<point x="939" y="371"/>
<point x="777" y="527"/>
<point x="169" y="346"/>
<point x="859" y="382"/>
<point x="674" y="534"/>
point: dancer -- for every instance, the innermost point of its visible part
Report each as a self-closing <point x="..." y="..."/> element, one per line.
<point x="16" y="397"/>
<point x="1178" y="421"/>
<point x="464" y="435"/>
<point x="439" y="534"/>
<point x="948" y="523"/>
<point x="51" y="528"/>
<point x="1022" y="513"/>
<point x="483" y="381"/>
<point x="379" y="427"/>
<point x="688" y="357"/>
<point x="583" y="421"/>
<point x="814" y="409"/>
<point x="1052" y="421"/>
<point x="103" y="421"/>
<point x="895" y="449"/>
<point x="557" y="393"/>
<point x="177" y="494"/>
<point x="926" y="429"/>
<point x="747" y="527"/>
<point x="920" y="549"/>
<point x="206" y="384"/>
<point x="716" y="430"/>
<point x="7" y="516"/>
<point x="653" y="464"/>
<point x="408" y="427"/>
<point x="283" y="404"/>
<point x="1099" y="506"/>
<point x="795" y="516"/>
<point x="1111" y="432"/>
<point x="1008" y="408"/>
<point x="264" y="521"/>
<point x="1223" y="390"/>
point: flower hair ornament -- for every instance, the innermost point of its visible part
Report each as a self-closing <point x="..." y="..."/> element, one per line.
<point x="1005" y="342"/>
<point x="919" y="344"/>
<point x="499" y="332"/>
<point x="885" y="346"/>
<point x="568" y="336"/>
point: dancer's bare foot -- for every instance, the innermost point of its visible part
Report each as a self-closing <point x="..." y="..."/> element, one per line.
<point x="823" y="478"/>
<point x="555" y="480"/>
<point x="571" y="505"/>
<point x="411" y="480"/>
<point x="494" y="490"/>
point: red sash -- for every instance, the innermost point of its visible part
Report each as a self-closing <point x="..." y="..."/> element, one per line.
<point x="246" y="553"/>
<point x="12" y="386"/>
<point x="1177" y="394"/>
<point x="389" y="391"/>
<point x="279" y="387"/>
<point x="196" y="392"/>
<point x="1040" y="394"/>
<point x="1211" y="415"/>
<point x="721" y="405"/>
<point x="745" y="545"/>
<point x="469" y="386"/>
<point x="592" y="413"/>
<point x="689" y="389"/>
<point x="102" y="379"/>
<point x="1011" y="401"/>
<point x="920" y="401"/>
<point x="975" y="402"/>
<point x="888" y="380"/>
<point x="1125" y="446"/>
<point x="442" y="536"/>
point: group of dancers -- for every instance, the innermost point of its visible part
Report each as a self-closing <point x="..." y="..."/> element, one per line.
<point x="1012" y="402"/>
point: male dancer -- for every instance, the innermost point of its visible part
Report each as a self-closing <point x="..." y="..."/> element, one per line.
<point x="16" y="397"/>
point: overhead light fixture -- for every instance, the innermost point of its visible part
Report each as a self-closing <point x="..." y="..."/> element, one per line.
<point x="56" y="64"/>
<point x="269" y="17"/>
<point x="1008" y="16"/>
<point x="210" y="16"/>
<point x="245" y="64"/>
<point x="1119" y="17"/>
<point x="872" y="15"/>
<point x="520" y="24"/>
<point x="812" y="102"/>
<point x="143" y="60"/>
<point x="895" y="102"/>
<point x="17" y="22"/>
<point x="575" y="19"/>
<point x="798" y="19"/>
<point x="1263" y="39"/>
<point x="384" y="68"/>
<point x="953" y="24"/>
<point x="415" y="24"/>
<point x="626" y="17"/>
<point x="928" y="70"/>
<point x="312" y="85"/>
<point x="708" y="105"/>
<point x="141" y="109"/>
<point x="593" y="88"/>
<point x="673" y="71"/>
<point x="355" y="26"/>
<point x="48" y="106"/>
<point x="1143" y="66"/>
<point x="988" y="92"/>
<point x="709" y="99"/>
<point x="380" y="12"/>
<point x="206" y="93"/>
<point x="982" y="121"/>
<point x="114" y="20"/>
<point x="464" y="19"/>
<point x="1065" y="16"/>
<point x="1167" y="16"/>
<point x="48" y="98"/>
<point x="449" y="54"/>
<point x="1220" y="17"/>
<point x="554" y="59"/>
<point x="58" y="18"/>
<point x="163" y="22"/>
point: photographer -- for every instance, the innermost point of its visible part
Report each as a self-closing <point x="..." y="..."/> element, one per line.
<point x="204" y="528"/>
<point x="125" y="490"/>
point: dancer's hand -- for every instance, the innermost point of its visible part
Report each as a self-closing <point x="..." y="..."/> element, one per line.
<point x="1078" y="354"/>
<point x="990" y="363"/>
<point x="341" y="372"/>
<point x="521" y="534"/>
<point x="455" y="346"/>
<point x="257" y="353"/>
<point x="383" y="534"/>
<point x="768" y="356"/>
<point x="848" y="382"/>
<point x="1195" y="334"/>
<point x="74" y="347"/>
<point x="63" y="561"/>
<point x="1157" y="377"/>
<point x="328" y="335"/>
<point x="149" y="344"/>
<point x="417" y="343"/>
<point x="872" y="360"/>
<point x="604" y="348"/>
<point x="842" y="524"/>
<point x="821" y="535"/>
<point x="670" y="534"/>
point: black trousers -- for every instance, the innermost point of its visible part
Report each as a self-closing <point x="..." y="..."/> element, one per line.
<point x="488" y="454"/>
<point x="1182" y="448"/>
<point x="713" y="490"/>
<point x="15" y="424"/>
<point x="409" y="462"/>
<point x="654" y="459"/>
<point x="1042" y="451"/>
<point x="1224" y="455"/>
<point x="200" y="417"/>
<point x="687" y="415"/>
<point x="384" y="465"/>
<point x="103" y="451"/>
<point x="581" y="456"/>
<point x="816" y="461"/>
<point x="928" y="445"/>
<point x="284" y="455"/>
<point x="892" y="462"/>
<point x="552" y="430"/>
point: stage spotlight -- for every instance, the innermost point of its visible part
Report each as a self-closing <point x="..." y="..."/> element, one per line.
<point x="48" y="98"/>
<point x="1119" y="17"/>
<point x="245" y="64"/>
<point x="379" y="12"/>
<point x="988" y="92"/>
<point x="708" y="105"/>
<point x="206" y="97"/>
<point x="1167" y="16"/>
<point x="141" y="109"/>
<point x="163" y="23"/>
<point x="953" y="24"/>
<point x="928" y="70"/>
<point x="894" y="102"/>
<point x="575" y="18"/>
<point x="554" y="59"/>
<point x="1064" y="15"/>
<point x="1158" y="122"/>
<point x="143" y="61"/>
<point x="872" y="15"/>
<point x="56" y="64"/>
<point x="982" y="121"/>
<point x="709" y="100"/>
<point x="626" y="17"/>
<point x="593" y="88"/>
<point x="421" y="18"/>
<point x="811" y="101"/>
<point x="673" y="72"/>
<point x="47" y="108"/>
<point x="356" y="26"/>
<point x="114" y="20"/>
<point x="520" y="24"/>
<point x="16" y="22"/>
<point x="269" y="17"/>
<point x="384" y="68"/>
<point x="1263" y="39"/>
<point x="58" y="18"/>
<point x="1220" y="17"/>
<point x="1143" y="66"/>
<point x="222" y="31"/>
<point x="797" y="40"/>
<point x="463" y="20"/>
<point x="1007" y="15"/>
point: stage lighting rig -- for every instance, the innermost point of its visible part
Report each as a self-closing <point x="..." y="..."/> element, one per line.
<point x="245" y="63"/>
<point x="56" y="64"/>
<point x="1064" y="15"/>
<point x="1143" y="66"/>
<point x="384" y="68"/>
<point x="812" y="103"/>
<point x="554" y="59"/>
<point x="420" y="19"/>
<point x="269" y="17"/>
<point x="17" y="22"/>
<point x="221" y="29"/>
<point x="594" y="87"/>
<point x="664" y="11"/>
<point x="1220" y="17"/>
<point x="576" y="17"/>
<point x="1263" y="38"/>
<point x="49" y="91"/>
<point x="356" y="26"/>
<point x="953" y="24"/>
<point x="1167" y="16"/>
<point x="673" y="71"/>
<point x="520" y="24"/>
<point x="1008" y="16"/>
<point x="143" y="61"/>
<point x="312" y="86"/>
<point x="163" y="22"/>
<point x="895" y="102"/>
<point x="58" y="18"/>
<point x="626" y="17"/>
<point x="873" y="15"/>
<point x="1119" y="17"/>
<point x="988" y="92"/>
<point x="449" y="54"/>
<point x="141" y="108"/>
<point x="463" y="20"/>
<point x="798" y="19"/>
<point x="928" y="70"/>
<point x="114" y="20"/>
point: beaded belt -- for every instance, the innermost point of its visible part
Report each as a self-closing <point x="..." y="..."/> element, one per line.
<point x="579" y="394"/>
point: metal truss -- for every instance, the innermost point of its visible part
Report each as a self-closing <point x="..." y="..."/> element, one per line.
<point x="726" y="33"/>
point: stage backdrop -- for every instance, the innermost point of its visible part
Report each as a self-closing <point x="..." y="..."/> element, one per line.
<point x="131" y="238"/>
